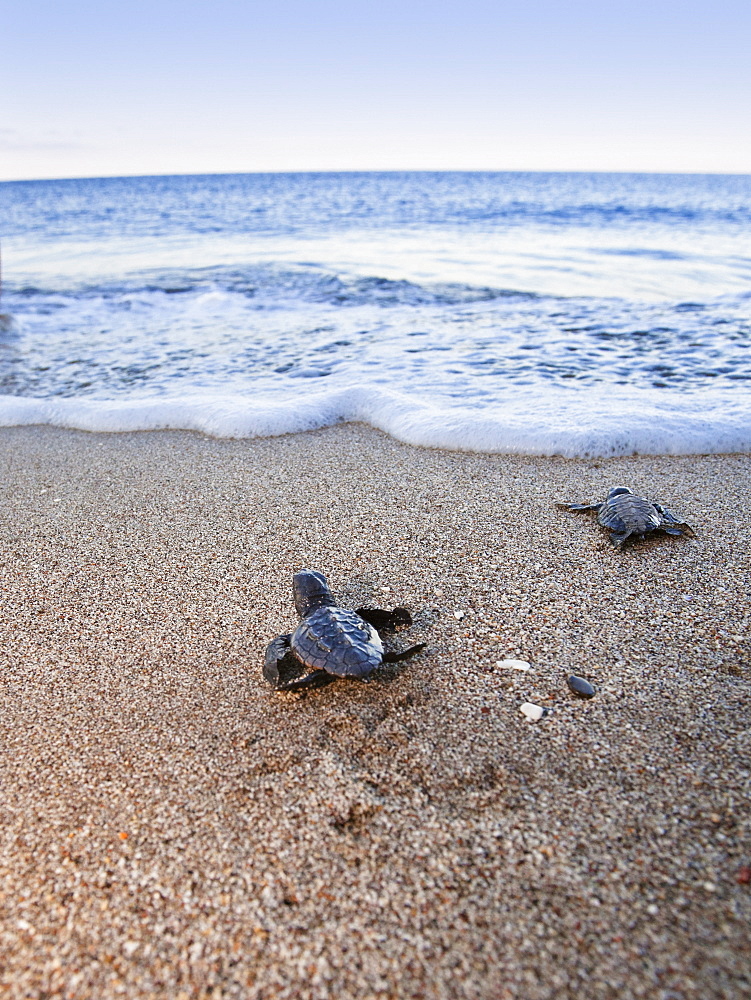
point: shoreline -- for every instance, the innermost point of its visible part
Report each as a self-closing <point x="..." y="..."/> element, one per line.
<point x="172" y="826"/>
<point x="601" y="424"/>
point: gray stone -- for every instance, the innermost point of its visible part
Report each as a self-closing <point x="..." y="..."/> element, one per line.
<point x="581" y="687"/>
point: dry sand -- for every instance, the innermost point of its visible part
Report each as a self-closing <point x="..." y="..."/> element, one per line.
<point x="172" y="827"/>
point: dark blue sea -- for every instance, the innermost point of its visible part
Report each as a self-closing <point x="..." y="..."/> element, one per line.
<point x="577" y="314"/>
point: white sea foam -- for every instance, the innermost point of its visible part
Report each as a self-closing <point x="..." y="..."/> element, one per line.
<point x="578" y="426"/>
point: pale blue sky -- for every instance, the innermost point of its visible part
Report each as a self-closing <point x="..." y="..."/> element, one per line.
<point x="158" y="86"/>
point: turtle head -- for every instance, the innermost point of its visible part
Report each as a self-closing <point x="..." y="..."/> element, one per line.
<point x="311" y="591"/>
<point x="619" y="491"/>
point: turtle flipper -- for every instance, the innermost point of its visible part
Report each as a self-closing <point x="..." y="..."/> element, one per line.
<point x="578" y="506"/>
<point x="386" y="621"/>
<point x="673" y="525"/>
<point x="390" y="621"/>
<point x="280" y="666"/>
<point x="405" y="654"/>
<point x="277" y="652"/>
<point x="315" y="679"/>
<point x="282" y="669"/>
<point x="680" y="528"/>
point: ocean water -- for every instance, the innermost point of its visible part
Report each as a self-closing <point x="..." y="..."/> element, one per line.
<point x="573" y="314"/>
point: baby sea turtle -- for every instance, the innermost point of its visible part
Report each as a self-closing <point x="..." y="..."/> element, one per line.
<point x="626" y="514"/>
<point x="330" y="641"/>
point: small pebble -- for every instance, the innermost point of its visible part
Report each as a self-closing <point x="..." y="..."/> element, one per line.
<point x="459" y="614"/>
<point x="533" y="712"/>
<point x="512" y="664"/>
<point x="581" y="687"/>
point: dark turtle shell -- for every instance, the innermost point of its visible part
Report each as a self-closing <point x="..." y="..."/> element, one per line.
<point x="623" y="512"/>
<point x="338" y="641"/>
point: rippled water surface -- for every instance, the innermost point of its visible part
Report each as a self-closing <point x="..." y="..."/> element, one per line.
<point x="574" y="313"/>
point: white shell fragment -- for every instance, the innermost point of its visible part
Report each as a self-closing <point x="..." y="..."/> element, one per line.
<point x="533" y="712"/>
<point x="459" y="615"/>
<point x="513" y="664"/>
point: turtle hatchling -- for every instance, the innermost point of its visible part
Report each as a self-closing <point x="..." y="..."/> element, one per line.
<point x="626" y="514"/>
<point x="330" y="641"/>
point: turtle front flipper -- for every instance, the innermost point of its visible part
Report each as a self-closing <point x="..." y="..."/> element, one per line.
<point x="279" y="663"/>
<point x="389" y="621"/>
<point x="386" y="621"/>
<point x="282" y="669"/>
<point x="578" y="506"/>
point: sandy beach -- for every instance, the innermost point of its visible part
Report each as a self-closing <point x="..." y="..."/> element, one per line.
<point x="172" y="827"/>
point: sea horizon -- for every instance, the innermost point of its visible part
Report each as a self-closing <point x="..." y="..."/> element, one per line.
<point x="389" y="170"/>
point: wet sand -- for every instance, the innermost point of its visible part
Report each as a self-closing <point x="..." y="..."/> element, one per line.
<point x="172" y="827"/>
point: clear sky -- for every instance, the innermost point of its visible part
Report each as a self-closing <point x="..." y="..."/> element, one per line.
<point x="108" y="87"/>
